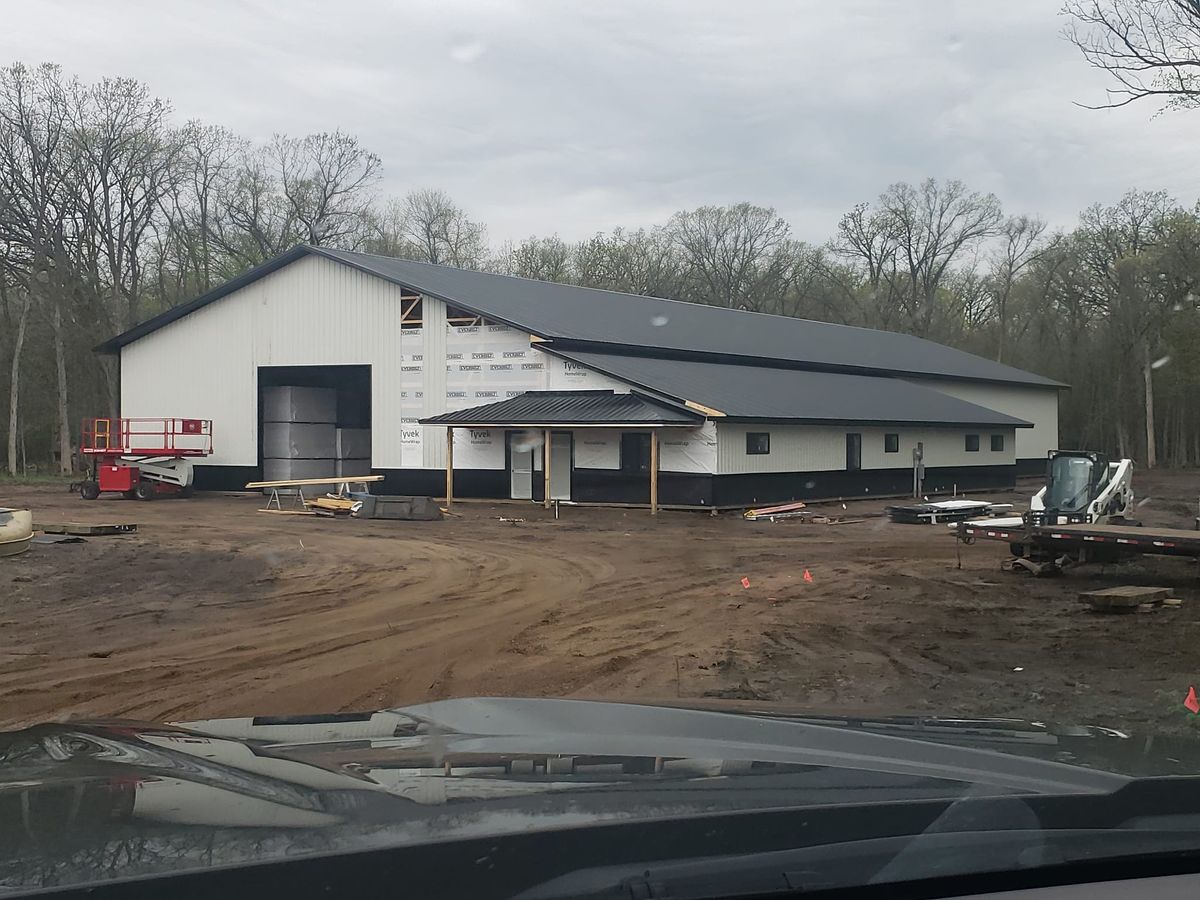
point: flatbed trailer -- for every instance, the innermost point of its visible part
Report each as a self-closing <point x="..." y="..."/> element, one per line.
<point x="1084" y="542"/>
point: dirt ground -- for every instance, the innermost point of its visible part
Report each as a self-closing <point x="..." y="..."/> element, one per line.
<point x="214" y="609"/>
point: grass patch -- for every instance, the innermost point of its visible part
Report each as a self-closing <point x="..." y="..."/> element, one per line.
<point x="62" y="480"/>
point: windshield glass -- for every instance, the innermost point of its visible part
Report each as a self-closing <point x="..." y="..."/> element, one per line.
<point x="434" y="420"/>
<point x="1069" y="485"/>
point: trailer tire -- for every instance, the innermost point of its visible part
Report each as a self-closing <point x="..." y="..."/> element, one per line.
<point x="1017" y="550"/>
<point x="144" y="490"/>
<point x="89" y="490"/>
<point x="186" y="492"/>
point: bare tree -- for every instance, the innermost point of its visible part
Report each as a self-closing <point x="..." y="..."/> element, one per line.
<point x="932" y="225"/>
<point x="257" y="221"/>
<point x="123" y="160"/>
<point x="545" y="259"/>
<point x="14" y="384"/>
<point x="1123" y="284"/>
<point x="1020" y="246"/>
<point x="39" y="217"/>
<point x="1151" y="48"/>
<point x="192" y="211"/>
<point x="865" y="238"/>
<point x="641" y="261"/>
<point x="430" y="227"/>
<point x="732" y="252"/>
<point x="326" y="180"/>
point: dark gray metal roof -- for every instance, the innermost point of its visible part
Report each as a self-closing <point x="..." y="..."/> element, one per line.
<point x="570" y="408"/>
<point x="606" y="320"/>
<point x="760" y="393"/>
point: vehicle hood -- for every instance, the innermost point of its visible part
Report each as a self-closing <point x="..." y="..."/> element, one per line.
<point x="225" y="790"/>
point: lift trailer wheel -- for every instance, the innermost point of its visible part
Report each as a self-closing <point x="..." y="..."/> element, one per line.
<point x="144" y="490"/>
<point x="89" y="490"/>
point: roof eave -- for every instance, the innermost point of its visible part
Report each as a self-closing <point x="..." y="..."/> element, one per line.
<point x="907" y="423"/>
<point x="566" y="424"/>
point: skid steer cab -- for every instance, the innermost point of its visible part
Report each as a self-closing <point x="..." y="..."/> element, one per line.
<point x="1083" y="487"/>
<point x="142" y="458"/>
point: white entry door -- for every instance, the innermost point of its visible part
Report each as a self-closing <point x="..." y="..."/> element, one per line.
<point x="520" y="455"/>
<point x="560" y="465"/>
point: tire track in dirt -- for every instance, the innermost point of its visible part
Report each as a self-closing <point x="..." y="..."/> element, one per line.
<point x="213" y="609"/>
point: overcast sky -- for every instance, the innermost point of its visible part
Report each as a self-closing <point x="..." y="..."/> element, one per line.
<point x="573" y="117"/>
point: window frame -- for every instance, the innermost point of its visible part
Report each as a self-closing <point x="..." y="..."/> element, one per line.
<point x="891" y="442"/>
<point x="967" y="439"/>
<point x="766" y="436"/>
<point x="997" y="439"/>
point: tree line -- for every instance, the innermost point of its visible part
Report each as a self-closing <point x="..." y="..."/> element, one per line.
<point x="111" y="212"/>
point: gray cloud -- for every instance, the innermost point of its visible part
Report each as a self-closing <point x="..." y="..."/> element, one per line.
<point x="574" y="117"/>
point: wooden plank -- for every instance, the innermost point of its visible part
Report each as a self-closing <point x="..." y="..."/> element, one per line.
<point x="700" y="407"/>
<point x="1125" y="598"/>
<point x="654" y="473"/>
<point x="449" y="467"/>
<point x="288" y="512"/>
<point x="332" y="503"/>
<point x="81" y="528"/>
<point x="301" y="482"/>
<point x="546" y="469"/>
<point x="769" y="510"/>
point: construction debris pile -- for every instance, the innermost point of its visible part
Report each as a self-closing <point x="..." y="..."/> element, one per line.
<point x="930" y="513"/>
<point x="795" y="512"/>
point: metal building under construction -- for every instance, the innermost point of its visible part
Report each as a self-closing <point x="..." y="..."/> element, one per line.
<point x="324" y="361"/>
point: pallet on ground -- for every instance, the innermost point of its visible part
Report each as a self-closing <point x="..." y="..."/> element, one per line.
<point x="1125" y="598"/>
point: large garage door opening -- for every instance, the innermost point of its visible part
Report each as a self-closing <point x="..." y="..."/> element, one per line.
<point x="314" y="421"/>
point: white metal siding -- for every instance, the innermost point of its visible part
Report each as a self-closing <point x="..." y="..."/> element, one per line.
<point x="821" y="448"/>
<point x="1038" y="405"/>
<point x="433" y="381"/>
<point x="310" y="313"/>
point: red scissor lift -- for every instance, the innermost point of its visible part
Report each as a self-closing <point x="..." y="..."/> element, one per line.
<point x="142" y="458"/>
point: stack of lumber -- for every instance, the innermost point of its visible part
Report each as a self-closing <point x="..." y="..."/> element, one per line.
<point x="332" y="506"/>
<point x="1125" y="599"/>
<point x="771" y="513"/>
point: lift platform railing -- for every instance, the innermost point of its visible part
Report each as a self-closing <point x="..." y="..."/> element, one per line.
<point x="110" y="436"/>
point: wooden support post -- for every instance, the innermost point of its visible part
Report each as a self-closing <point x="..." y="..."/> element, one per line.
<point x="449" y="466"/>
<point x="654" y="471"/>
<point x="546" y="469"/>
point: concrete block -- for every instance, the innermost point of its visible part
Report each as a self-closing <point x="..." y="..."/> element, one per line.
<point x="298" y="440"/>
<point x="291" y="469"/>
<point x="354" y="467"/>
<point x="354" y="443"/>
<point x="291" y="403"/>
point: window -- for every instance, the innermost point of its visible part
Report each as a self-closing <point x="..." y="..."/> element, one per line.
<point x="972" y="443"/>
<point x="635" y="452"/>
<point x="758" y="443"/>
<point x="891" y="443"/>
<point x="997" y="443"/>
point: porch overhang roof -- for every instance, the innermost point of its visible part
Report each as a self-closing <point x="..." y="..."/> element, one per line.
<point x="577" y="409"/>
